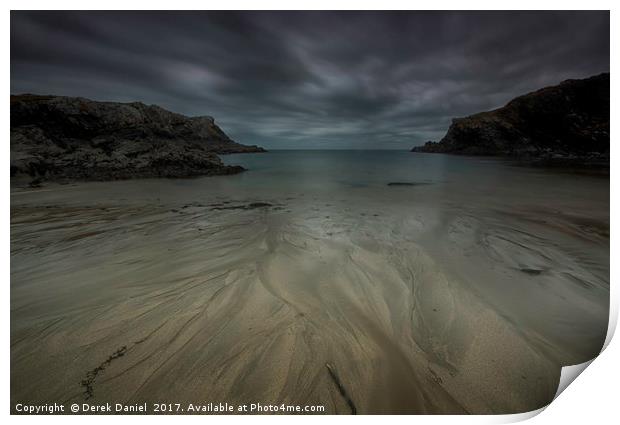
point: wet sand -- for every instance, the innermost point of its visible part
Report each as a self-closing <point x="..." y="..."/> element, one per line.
<point x="137" y="292"/>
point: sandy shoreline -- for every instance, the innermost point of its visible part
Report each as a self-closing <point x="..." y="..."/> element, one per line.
<point x="417" y="308"/>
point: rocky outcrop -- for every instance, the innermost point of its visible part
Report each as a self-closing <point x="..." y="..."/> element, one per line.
<point x="70" y="138"/>
<point x="567" y="121"/>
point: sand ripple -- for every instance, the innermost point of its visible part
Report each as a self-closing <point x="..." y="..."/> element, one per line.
<point x="302" y="302"/>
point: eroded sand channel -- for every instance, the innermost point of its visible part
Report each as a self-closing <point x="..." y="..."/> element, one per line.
<point x="414" y="307"/>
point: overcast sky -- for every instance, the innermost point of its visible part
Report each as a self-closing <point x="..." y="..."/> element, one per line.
<point x="387" y="80"/>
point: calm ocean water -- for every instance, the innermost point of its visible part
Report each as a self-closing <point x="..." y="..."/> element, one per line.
<point x="358" y="168"/>
<point x="363" y="177"/>
<point x="367" y="174"/>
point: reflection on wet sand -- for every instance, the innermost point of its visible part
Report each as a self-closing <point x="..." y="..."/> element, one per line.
<point x="357" y="305"/>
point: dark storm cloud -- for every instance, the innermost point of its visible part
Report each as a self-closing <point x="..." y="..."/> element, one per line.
<point x="308" y="79"/>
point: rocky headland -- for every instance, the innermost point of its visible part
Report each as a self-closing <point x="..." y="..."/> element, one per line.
<point x="567" y="124"/>
<point x="59" y="138"/>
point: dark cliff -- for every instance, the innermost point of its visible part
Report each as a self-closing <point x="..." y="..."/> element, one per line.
<point x="570" y="120"/>
<point x="69" y="138"/>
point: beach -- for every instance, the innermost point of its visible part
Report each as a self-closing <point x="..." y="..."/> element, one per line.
<point x="362" y="282"/>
